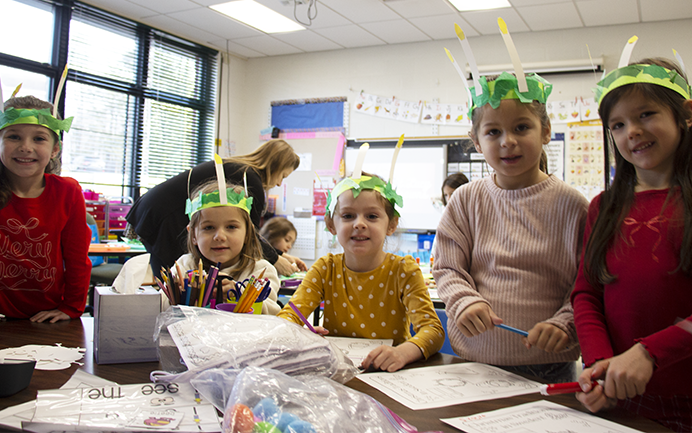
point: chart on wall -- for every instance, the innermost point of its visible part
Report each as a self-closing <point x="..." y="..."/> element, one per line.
<point x="584" y="158"/>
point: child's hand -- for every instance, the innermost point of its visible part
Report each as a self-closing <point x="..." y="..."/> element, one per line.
<point x="627" y="374"/>
<point x="53" y="315"/>
<point x="388" y="358"/>
<point x="226" y="285"/>
<point x="299" y="264"/>
<point x="546" y="337"/>
<point x="320" y="330"/>
<point x="476" y="319"/>
<point x="594" y="399"/>
<point x="284" y="267"/>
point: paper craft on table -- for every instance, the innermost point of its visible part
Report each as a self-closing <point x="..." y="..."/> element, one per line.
<point x="46" y="357"/>
<point x="14" y="416"/>
<point x="141" y="407"/>
<point x="447" y="385"/>
<point x="537" y="417"/>
<point x="356" y="349"/>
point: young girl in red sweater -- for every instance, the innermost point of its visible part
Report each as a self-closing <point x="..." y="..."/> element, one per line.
<point x="632" y="299"/>
<point x="44" y="237"/>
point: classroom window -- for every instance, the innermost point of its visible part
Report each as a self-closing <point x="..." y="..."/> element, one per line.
<point x="142" y="100"/>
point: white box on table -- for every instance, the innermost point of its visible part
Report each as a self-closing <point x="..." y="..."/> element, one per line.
<point x="124" y="325"/>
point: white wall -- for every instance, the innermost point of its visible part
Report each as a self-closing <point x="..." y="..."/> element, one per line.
<point x="421" y="71"/>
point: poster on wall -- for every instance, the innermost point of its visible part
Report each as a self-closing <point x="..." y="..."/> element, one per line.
<point x="388" y="107"/>
<point x="584" y="158"/>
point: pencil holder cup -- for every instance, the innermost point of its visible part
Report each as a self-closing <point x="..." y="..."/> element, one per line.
<point x="230" y="307"/>
<point x="15" y="376"/>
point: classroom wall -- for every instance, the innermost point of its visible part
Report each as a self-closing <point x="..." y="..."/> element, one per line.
<point x="420" y="71"/>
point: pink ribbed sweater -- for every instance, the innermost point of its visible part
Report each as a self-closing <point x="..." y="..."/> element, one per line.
<point x="518" y="251"/>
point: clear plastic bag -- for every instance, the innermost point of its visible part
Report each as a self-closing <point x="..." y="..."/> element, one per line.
<point x="191" y="340"/>
<point x="269" y="401"/>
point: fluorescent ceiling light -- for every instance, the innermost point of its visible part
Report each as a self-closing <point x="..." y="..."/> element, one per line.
<point x="257" y="16"/>
<point x="479" y="5"/>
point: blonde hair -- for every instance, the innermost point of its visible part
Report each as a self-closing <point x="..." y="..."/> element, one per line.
<point x="54" y="165"/>
<point x="251" y="251"/>
<point x="270" y="158"/>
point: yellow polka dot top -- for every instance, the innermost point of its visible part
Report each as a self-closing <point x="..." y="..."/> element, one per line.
<point x="382" y="303"/>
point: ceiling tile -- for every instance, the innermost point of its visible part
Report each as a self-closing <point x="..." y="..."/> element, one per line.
<point x="551" y="17"/>
<point x="420" y="8"/>
<point x="268" y="45"/>
<point x="123" y="8"/>
<point x="600" y="13"/>
<point x="216" y="23"/>
<point x="307" y="40"/>
<point x="233" y="48"/>
<point x="166" y="6"/>
<point x="661" y="10"/>
<point x="442" y="26"/>
<point x="396" y="31"/>
<point x="522" y="3"/>
<point x="350" y="36"/>
<point x="177" y="28"/>
<point x="208" y="2"/>
<point x="485" y="22"/>
<point x="361" y="11"/>
<point x="323" y="17"/>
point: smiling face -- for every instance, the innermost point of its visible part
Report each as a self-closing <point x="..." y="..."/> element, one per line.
<point x="220" y="234"/>
<point x="511" y="138"/>
<point x="26" y="150"/>
<point x="647" y="136"/>
<point x="361" y="226"/>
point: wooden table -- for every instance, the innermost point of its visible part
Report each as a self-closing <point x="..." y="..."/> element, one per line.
<point x="79" y="333"/>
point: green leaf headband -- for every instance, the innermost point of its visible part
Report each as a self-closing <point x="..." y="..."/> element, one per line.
<point x="641" y="73"/>
<point x="364" y="183"/>
<point x="213" y="199"/>
<point x="507" y="86"/>
<point x="31" y="116"/>
<point x="221" y="197"/>
<point x="359" y="183"/>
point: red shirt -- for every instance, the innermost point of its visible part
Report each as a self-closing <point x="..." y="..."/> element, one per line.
<point x="649" y="302"/>
<point x="44" y="243"/>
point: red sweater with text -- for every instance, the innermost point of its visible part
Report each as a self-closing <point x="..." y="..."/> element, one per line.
<point x="44" y="243"/>
<point x="649" y="301"/>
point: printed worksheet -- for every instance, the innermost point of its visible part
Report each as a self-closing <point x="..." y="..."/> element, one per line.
<point x="356" y="349"/>
<point x="537" y="417"/>
<point x="141" y="407"/>
<point x="447" y="385"/>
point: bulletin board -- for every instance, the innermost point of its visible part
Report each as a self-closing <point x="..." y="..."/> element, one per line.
<point x="418" y="178"/>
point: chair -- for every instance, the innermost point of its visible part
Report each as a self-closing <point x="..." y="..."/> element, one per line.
<point x="102" y="272"/>
<point x="447" y="346"/>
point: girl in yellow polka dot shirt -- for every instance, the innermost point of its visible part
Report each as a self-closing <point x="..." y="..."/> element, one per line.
<point x="367" y="292"/>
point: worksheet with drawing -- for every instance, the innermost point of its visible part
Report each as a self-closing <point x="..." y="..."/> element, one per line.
<point x="447" y="385"/>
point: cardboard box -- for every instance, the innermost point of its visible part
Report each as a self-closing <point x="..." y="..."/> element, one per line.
<point x="124" y="325"/>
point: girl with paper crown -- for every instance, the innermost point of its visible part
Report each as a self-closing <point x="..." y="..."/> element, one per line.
<point x="507" y="246"/>
<point x="632" y="299"/>
<point x="221" y="231"/>
<point x="44" y="237"/>
<point x="367" y="292"/>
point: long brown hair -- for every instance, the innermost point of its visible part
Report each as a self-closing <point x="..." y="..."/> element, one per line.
<point x="54" y="165"/>
<point x="277" y="228"/>
<point x="270" y="158"/>
<point x="251" y="251"/>
<point x="617" y="198"/>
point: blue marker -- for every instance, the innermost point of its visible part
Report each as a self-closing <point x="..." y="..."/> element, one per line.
<point x="509" y="328"/>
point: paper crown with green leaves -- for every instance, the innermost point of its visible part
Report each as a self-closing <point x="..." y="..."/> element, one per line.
<point x="642" y="73"/>
<point x="358" y="182"/>
<point x="525" y="88"/>
<point x="31" y="116"/>
<point x="223" y="196"/>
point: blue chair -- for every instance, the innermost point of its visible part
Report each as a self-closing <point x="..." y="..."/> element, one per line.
<point x="447" y="346"/>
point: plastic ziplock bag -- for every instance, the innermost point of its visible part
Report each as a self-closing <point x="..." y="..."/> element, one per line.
<point x="258" y="398"/>
<point x="206" y="338"/>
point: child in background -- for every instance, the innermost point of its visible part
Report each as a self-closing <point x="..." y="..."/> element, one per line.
<point x="281" y="234"/>
<point x="367" y="292"/>
<point x="44" y="267"/>
<point x="508" y="245"/>
<point x="451" y="183"/>
<point x="632" y="299"/>
<point x="224" y="233"/>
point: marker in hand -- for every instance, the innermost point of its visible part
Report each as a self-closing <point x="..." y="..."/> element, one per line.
<point x="512" y="329"/>
<point x="563" y="388"/>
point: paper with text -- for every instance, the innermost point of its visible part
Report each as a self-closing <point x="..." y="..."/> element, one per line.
<point x="356" y="349"/>
<point x="447" y="385"/>
<point x="537" y="417"/>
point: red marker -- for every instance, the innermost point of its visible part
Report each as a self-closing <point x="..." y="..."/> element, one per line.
<point x="563" y="388"/>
